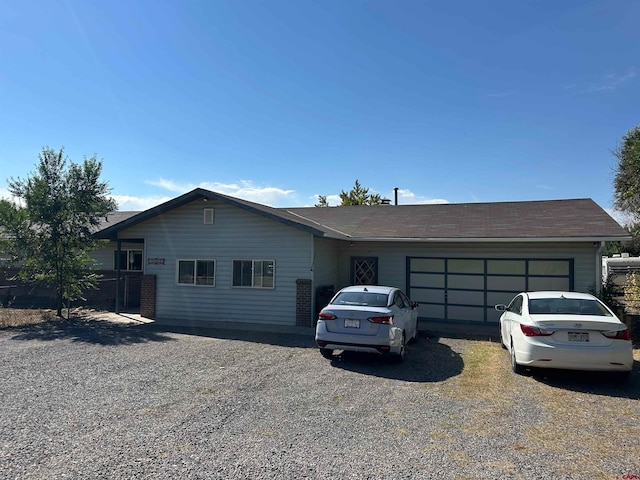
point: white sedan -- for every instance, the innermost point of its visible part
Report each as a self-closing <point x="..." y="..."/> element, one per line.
<point x="565" y="330"/>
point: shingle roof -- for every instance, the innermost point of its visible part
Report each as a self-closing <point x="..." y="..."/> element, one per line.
<point x="560" y="220"/>
<point x="548" y="219"/>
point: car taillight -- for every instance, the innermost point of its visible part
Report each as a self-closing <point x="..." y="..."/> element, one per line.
<point x="386" y="319"/>
<point x="326" y="316"/>
<point x="531" y="331"/>
<point x="618" y="334"/>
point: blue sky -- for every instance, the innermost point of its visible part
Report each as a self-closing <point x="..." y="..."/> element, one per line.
<point x="279" y="101"/>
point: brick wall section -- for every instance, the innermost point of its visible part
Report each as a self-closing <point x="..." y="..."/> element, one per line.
<point x="148" y="297"/>
<point x="303" y="302"/>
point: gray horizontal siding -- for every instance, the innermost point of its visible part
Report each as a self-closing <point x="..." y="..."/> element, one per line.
<point x="235" y="235"/>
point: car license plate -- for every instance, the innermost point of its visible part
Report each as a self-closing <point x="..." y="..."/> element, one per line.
<point x="578" y="336"/>
<point x="351" y="323"/>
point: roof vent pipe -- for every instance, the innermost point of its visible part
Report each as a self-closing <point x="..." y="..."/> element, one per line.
<point x="395" y="192"/>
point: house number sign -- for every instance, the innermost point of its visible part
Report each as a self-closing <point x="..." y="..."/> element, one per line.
<point x="155" y="261"/>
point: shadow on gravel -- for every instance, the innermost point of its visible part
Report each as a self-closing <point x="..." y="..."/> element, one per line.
<point x="428" y="360"/>
<point x="270" y="338"/>
<point x="88" y="331"/>
<point x="597" y="383"/>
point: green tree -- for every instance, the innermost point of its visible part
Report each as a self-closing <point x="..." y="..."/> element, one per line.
<point x="359" y="195"/>
<point x="322" y="201"/>
<point x="627" y="176"/>
<point x="48" y="229"/>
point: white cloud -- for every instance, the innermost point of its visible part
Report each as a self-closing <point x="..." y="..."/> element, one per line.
<point x="244" y="189"/>
<point x="408" y="197"/>
<point x="332" y="200"/>
<point x="130" y="203"/>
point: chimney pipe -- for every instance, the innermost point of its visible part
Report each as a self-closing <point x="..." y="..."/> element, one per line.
<point x="395" y="191"/>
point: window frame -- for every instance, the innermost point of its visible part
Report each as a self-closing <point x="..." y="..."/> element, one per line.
<point x="253" y="275"/>
<point x="208" y="216"/>
<point x="127" y="252"/>
<point x="195" y="262"/>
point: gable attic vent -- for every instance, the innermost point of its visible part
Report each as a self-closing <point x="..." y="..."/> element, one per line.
<point x="209" y="216"/>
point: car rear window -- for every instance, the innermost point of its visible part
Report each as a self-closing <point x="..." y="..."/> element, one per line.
<point x="571" y="306"/>
<point x="362" y="299"/>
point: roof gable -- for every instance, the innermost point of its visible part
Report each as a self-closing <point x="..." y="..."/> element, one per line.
<point x="124" y="220"/>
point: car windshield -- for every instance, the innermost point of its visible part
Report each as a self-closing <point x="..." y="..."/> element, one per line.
<point x="362" y="299"/>
<point x="571" y="306"/>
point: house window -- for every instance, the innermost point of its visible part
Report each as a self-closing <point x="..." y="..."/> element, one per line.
<point x="130" y="260"/>
<point x="209" y="216"/>
<point x="197" y="272"/>
<point x="254" y="273"/>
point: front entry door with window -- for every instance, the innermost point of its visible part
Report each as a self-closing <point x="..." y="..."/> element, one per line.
<point x="364" y="270"/>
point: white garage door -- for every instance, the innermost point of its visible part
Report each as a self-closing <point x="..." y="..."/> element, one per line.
<point x="466" y="289"/>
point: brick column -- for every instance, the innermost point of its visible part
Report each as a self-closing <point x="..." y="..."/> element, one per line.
<point x="148" y="297"/>
<point x="303" y="303"/>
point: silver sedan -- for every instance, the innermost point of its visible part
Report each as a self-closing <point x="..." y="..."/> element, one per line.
<point x="367" y="318"/>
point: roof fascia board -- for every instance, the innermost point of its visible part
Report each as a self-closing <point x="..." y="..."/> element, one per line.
<point x="494" y="240"/>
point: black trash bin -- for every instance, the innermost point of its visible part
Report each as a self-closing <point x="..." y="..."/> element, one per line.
<point x="324" y="293"/>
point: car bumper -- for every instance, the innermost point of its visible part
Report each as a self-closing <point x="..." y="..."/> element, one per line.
<point x="390" y="342"/>
<point x="612" y="358"/>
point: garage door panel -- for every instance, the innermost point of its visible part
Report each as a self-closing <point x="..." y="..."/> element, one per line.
<point x="548" y="267"/>
<point x="427" y="295"/>
<point x="435" y="312"/>
<point x="427" y="265"/>
<point x="475" y="282"/>
<point x="548" y="283"/>
<point x="433" y="280"/>
<point x="494" y="298"/>
<point x="465" y="265"/>
<point x="465" y="297"/>
<point x="506" y="267"/>
<point x="516" y="284"/>
<point x="466" y="314"/>
<point x="493" y="315"/>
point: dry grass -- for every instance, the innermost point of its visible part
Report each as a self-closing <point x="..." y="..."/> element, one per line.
<point x="15" y="317"/>
<point x="587" y="429"/>
<point x="584" y="430"/>
<point x="487" y="379"/>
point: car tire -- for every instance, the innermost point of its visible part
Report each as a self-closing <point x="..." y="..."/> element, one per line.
<point x="399" y="357"/>
<point x="326" y="352"/>
<point x="515" y="366"/>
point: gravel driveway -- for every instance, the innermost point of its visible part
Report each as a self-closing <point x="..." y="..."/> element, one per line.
<point x="93" y="399"/>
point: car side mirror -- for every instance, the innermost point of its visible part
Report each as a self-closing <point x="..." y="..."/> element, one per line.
<point x="501" y="307"/>
<point x="414" y="305"/>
